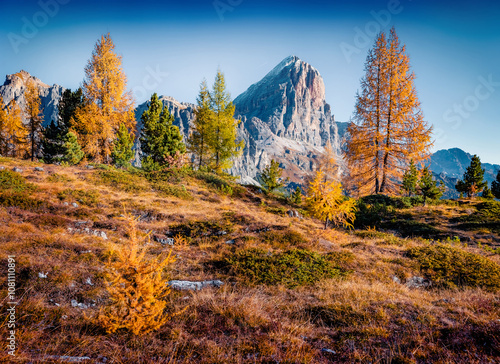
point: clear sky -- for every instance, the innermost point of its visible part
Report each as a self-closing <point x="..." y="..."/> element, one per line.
<point x="169" y="47"/>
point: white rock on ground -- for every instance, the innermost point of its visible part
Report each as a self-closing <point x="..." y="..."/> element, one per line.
<point x="194" y="286"/>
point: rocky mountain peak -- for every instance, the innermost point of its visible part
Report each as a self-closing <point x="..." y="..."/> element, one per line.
<point x="15" y="86"/>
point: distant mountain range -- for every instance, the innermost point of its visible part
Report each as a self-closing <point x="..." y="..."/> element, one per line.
<point x="284" y="117"/>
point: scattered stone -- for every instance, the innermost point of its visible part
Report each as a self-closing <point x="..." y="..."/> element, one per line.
<point x="221" y="232"/>
<point x="164" y="241"/>
<point x="17" y="169"/>
<point x="88" y="166"/>
<point x="89" y="282"/>
<point x="42" y="275"/>
<point x="89" y="231"/>
<point x="396" y="280"/>
<point x="2" y="168"/>
<point x="66" y="359"/>
<point x="417" y="282"/>
<point x="74" y="204"/>
<point x="39" y="169"/>
<point x="329" y="351"/>
<point x="194" y="286"/>
<point x="85" y="251"/>
<point x="232" y="241"/>
<point x="64" y="317"/>
<point x="74" y="303"/>
<point x="65" y="204"/>
<point x="293" y="213"/>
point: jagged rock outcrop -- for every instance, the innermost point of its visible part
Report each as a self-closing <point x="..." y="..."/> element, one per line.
<point x="285" y="117"/>
<point x="15" y="86"/>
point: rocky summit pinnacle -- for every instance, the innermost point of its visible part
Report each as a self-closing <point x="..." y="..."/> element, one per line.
<point x="285" y="117"/>
<point x="15" y="86"/>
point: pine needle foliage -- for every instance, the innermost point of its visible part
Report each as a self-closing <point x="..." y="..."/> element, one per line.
<point x="326" y="201"/>
<point x="136" y="287"/>
<point x="271" y="176"/>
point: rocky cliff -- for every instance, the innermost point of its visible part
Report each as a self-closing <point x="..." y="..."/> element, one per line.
<point x="285" y="117"/>
<point x="15" y="86"/>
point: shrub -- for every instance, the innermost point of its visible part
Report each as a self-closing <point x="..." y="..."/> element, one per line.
<point x="21" y="200"/>
<point x="168" y="189"/>
<point x="89" y="198"/>
<point x="285" y="238"/>
<point x="281" y="211"/>
<point x="125" y="181"/>
<point x="449" y="267"/>
<point x="13" y="181"/>
<point x="194" y="229"/>
<point x="291" y="268"/>
<point x="136" y="288"/>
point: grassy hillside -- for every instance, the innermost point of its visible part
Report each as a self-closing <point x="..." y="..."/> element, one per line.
<point x="292" y="293"/>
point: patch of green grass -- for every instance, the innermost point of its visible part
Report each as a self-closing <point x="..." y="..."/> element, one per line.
<point x="58" y="178"/>
<point x="283" y="238"/>
<point x="14" y="182"/>
<point x="89" y="197"/>
<point x="168" y="189"/>
<point x="196" y="229"/>
<point x="343" y="259"/>
<point x="291" y="268"/>
<point x="122" y="180"/>
<point x="450" y="267"/>
<point x="281" y="211"/>
<point x="21" y="200"/>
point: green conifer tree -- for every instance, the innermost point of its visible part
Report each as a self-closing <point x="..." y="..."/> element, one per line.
<point x="72" y="153"/>
<point x="495" y="186"/>
<point x="472" y="181"/>
<point x="122" y="152"/>
<point x="429" y="187"/>
<point x="160" y="139"/>
<point x="197" y="141"/>
<point x="271" y="176"/>
<point x="487" y="193"/>
<point x="297" y="196"/>
<point x="410" y="179"/>
<point x="222" y="134"/>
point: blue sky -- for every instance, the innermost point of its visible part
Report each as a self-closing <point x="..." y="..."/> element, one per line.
<point x="169" y="47"/>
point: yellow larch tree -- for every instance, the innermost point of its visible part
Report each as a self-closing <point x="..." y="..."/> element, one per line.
<point x="13" y="132"/>
<point x="388" y="130"/>
<point x="136" y="287"/>
<point x="33" y="114"/>
<point x="107" y="104"/>
<point x="326" y="202"/>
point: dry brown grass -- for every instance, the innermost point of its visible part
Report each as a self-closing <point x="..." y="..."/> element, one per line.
<point x="365" y="317"/>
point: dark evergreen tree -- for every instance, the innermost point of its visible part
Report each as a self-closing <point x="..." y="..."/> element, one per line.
<point x="72" y="153"/>
<point x="122" y="152"/>
<point x="410" y="179"/>
<point x="160" y="139"/>
<point x="54" y="135"/>
<point x="472" y="181"/>
<point x="495" y="186"/>
<point x="428" y="187"/>
<point x="297" y="196"/>
<point x="487" y="193"/>
<point x="271" y="176"/>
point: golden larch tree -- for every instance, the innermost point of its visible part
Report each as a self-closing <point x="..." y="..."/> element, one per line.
<point x="136" y="287"/>
<point x="388" y="129"/>
<point x="13" y="132"/>
<point x="33" y="114"/>
<point x="106" y="105"/>
<point x="326" y="201"/>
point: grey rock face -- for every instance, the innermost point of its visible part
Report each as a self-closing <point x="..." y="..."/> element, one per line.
<point x="194" y="286"/>
<point x="285" y="117"/>
<point x="14" y="88"/>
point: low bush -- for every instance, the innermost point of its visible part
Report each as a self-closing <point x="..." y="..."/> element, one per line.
<point x="281" y="211"/>
<point x="21" y="200"/>
<point x="194" y="229"/>
<point x="291" y="268"/>
<point x="122" y="180"/>
<point x="168" y="189"/>
<point x="283" y="238"/>
<point x="13" y="181"/>
<point x="450" y="267"/>
<point x="89" y="197"/>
